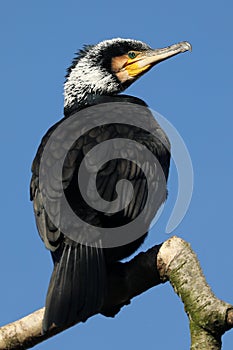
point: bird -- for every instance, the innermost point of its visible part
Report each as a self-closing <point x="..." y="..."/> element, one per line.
<point x="97" y="76"/>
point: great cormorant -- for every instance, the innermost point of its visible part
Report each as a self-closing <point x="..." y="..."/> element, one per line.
<point x="97" y="75"/>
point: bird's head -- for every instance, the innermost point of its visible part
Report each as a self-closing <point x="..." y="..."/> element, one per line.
<point x="111" y="66"/>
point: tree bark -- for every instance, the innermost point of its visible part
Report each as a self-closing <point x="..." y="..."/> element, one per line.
<point x="173" y="261"/>
<point x="209" y="317"/>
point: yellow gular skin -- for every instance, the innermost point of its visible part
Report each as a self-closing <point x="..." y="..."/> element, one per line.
<point x="134" y="69"/>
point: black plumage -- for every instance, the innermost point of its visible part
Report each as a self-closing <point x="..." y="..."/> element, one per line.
<point x="78" y="283"/>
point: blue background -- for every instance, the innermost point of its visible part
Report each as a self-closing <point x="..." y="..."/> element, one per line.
<point x="193" y="91"/>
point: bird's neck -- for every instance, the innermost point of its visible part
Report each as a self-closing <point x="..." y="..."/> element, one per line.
<point x="94" y="99"/>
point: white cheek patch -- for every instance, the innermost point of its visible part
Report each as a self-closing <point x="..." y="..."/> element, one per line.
<point x="87" y="78"/>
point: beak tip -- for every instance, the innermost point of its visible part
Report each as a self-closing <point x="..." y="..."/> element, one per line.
<point x="187" y="46"/>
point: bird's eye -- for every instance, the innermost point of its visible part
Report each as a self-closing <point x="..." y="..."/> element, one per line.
<point x="132" y="54"/>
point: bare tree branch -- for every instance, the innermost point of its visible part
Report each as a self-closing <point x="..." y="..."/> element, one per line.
<point x="174" y="260"/>
<point x="209" y="317"/>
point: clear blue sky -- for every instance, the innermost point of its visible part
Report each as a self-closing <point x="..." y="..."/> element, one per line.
<point x="194" y="91"/>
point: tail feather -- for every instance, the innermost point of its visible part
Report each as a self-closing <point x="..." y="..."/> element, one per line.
<point x="77" y="286"/>
<point x="98" y="279"/>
